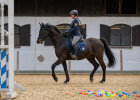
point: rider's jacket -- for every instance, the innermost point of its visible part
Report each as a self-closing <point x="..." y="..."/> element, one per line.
<point x="74" y="28"/>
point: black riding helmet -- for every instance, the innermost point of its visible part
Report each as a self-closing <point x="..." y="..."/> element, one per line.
<point x="74" y="12"/>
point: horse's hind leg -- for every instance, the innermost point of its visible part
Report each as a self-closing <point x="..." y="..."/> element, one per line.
<point x="100" y="59"/>
<point x="95" y="64"/>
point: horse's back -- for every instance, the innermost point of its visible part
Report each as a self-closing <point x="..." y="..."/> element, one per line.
<point x="95" y="44"/>
<point x="95" y="41"/>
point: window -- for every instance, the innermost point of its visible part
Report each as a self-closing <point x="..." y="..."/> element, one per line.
<point x="21" y="35"/>
<point x="128" y="7"/>
<point x="120" y="6"/>
<point x="136" y="35"/>
<point x="120" y="35"/>
<point x="83" y="31"/>
<point x="24" y="7"/>
<point x="57" y="7"/>
<point x="138" y="7"/>
<point x="63" y="28"/>
<point x="112" y="6"/>
<point x="85" y="7"/>
<point x="25" y="35"/>
<point x="105" y="32"/>
<point x="116" y="35"/>
<point x="63" y="7"/>
<point x="16" y="35"/>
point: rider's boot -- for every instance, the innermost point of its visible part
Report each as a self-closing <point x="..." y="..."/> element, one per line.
<point x="74" y="56"/>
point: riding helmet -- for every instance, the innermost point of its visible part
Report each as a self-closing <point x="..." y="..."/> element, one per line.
<point x="74" y="12"/>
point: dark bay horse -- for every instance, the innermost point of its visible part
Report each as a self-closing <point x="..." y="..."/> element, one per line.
<point x="95" y="49"/>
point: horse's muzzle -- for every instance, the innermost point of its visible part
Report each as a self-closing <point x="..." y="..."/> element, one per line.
<point x="39" y="41"/>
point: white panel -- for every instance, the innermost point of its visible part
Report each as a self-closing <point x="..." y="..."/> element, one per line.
<point x="49" y="58"/>
<point x="26" y="60"/>
<point x="131" y="60"/>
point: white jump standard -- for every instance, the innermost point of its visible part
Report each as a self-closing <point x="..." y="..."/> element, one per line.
<point x="7" y="53"/>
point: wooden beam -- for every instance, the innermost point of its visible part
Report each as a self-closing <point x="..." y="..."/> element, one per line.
<point x="120" y="6"/>
<point x="121" y="62"/>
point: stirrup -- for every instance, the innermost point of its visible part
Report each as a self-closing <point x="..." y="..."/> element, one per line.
<point x="74" y="57"/>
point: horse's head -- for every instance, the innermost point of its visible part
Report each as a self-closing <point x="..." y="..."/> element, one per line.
<point x="43" y="33"/>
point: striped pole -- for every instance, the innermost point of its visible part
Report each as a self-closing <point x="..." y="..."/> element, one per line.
<point x="4" y="69"/>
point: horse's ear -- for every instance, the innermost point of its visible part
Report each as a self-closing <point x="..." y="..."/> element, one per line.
<point x="39" y="24"/>
<point x="42" y="24"/>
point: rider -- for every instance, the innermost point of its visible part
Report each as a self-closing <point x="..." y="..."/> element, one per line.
<point x="74" y="31"/>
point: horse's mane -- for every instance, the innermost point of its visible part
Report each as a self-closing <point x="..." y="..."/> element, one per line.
<point x="52" y="26"/>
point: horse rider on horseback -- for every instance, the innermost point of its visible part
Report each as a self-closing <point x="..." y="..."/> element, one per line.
<point x="74" y="31"/>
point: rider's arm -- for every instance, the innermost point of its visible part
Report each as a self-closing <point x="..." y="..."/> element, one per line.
<point x="74" y="28"/>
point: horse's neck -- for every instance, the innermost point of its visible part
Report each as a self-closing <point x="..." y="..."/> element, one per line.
<point x="56" y="38"/>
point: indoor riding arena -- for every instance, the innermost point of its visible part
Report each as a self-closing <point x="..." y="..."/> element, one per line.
<point x="38" y="60"/>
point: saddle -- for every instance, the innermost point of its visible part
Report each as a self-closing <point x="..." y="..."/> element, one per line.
<point x="81" y="45"/>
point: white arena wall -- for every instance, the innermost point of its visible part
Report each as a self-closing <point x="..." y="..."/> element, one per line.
<point x="28" y="54"/>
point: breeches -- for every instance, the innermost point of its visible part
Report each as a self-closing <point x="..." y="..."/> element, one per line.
<point x="75" y="39"/>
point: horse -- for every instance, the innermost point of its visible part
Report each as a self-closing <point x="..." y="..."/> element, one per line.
<point x="94" y="49"/>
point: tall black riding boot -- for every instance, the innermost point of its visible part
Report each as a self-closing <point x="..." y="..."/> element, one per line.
<point x="75" y="51"/>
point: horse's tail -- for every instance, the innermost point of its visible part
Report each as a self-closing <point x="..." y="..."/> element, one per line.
<point x="109" y="53"/>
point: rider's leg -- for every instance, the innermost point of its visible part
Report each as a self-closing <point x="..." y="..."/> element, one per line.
<point x="74" y="41"/>
<point x="75" y="49"/>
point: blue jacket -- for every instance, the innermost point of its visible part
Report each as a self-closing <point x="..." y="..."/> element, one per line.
<point x="74" y="28"/>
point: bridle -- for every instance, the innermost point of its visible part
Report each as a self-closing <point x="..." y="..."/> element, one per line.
<point x="45" y="31"/>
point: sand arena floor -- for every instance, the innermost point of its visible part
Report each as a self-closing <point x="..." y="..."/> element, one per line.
<point x="43" y="87"/>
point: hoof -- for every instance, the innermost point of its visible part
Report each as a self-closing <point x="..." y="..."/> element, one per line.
<point x="102" y="81"/>
<point x="65" y="82"/>
<point x="91" y="80"/>
<point x="56" y="79"/>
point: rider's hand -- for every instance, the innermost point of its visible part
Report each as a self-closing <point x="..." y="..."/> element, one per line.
<point x="66" y="33"/>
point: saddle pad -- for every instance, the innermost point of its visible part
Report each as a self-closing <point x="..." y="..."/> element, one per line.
<point x="80" y="45"/>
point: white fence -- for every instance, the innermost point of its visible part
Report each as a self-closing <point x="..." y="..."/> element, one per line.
<point x="130" y="62"/>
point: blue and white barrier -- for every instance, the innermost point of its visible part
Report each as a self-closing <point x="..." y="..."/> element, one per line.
<point x="4" y="69"/>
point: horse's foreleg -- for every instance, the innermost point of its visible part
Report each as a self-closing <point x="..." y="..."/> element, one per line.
<point x="53" y="67"/>
<point x="66" y="72"/>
